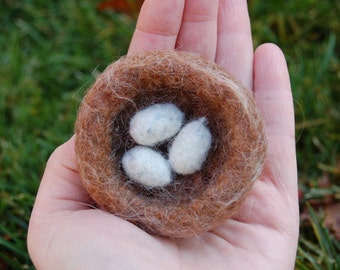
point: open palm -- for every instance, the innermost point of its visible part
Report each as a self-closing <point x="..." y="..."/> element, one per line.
<point x="65" y="232"/>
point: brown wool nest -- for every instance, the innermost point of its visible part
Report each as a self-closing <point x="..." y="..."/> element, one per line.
<point x="191" y="204"/>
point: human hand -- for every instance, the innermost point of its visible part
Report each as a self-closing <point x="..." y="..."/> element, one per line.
<point x="66" y="232"/>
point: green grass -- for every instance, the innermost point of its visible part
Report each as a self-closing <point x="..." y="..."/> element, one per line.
<point x="50" y="52"/>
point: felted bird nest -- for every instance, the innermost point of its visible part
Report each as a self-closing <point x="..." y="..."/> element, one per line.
<point x="191" y="204"/>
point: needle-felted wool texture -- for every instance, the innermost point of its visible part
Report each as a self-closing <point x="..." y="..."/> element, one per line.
<point x="191" y="204"/>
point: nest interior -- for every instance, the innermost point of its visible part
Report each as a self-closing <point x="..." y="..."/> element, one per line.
<point x="191" y="204"/>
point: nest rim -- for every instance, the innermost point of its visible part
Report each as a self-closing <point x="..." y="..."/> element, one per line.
<point x="198" y="87"/>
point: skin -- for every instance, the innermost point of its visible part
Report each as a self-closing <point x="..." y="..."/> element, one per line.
<point x="65" y="232"/>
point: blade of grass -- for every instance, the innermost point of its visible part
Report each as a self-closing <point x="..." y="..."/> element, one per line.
<point x="326" y="59"/>
<point x="330" y="254"/>
<point x="310" y="257"/>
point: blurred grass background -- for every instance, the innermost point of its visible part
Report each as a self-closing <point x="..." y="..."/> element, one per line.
<point x="50" y="52"/>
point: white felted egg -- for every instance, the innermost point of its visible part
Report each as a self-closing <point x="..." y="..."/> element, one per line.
<point x="190" y="147"/>
<point x="147" y="167"/>
<point x="156" y="124"/>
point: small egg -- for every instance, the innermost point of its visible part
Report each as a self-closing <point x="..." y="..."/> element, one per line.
<point x="156" y="124"/>
<point x="190" y="147"/>
<point x="147" y="167"/>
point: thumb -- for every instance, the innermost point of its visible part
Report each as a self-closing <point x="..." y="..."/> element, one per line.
<point x="61" y="187"/>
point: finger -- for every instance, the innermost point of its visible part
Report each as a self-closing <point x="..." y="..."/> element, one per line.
<point x="157" y="26"/>
<point x="198" y="32"/>
<point x="274" y="99"/>
<point x="61" y="187"/>
<point x="234" y="46"/>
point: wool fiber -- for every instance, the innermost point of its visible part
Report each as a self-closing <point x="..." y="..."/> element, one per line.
<point x="156" y="124"/>
<point x="190" y="204"/>
<point x="147" y="167"/>
<point x="190" y="147"/>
